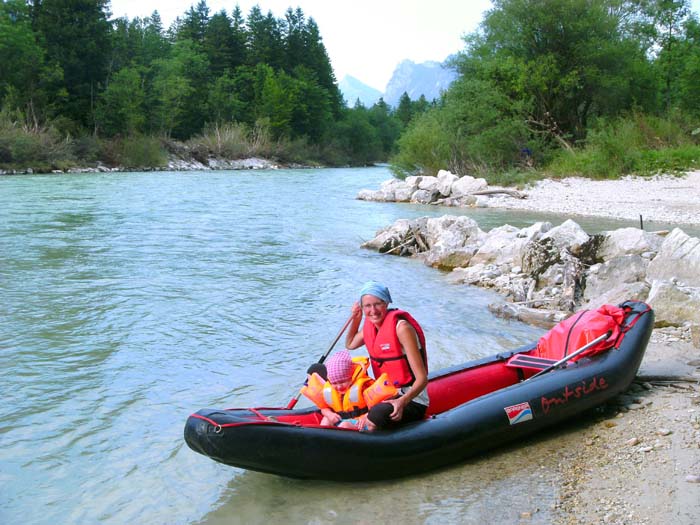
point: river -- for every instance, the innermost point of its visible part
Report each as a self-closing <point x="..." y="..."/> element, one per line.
<point x="131" y="300"/>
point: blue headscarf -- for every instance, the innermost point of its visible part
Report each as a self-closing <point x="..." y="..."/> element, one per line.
<point x="376" y="289"/>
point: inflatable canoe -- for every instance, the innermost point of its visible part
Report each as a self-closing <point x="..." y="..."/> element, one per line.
<point x="579" y="364"/>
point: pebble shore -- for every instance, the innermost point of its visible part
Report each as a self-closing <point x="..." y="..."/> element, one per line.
<point x="668" y="199"/>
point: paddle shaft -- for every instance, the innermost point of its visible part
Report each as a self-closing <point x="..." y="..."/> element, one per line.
<point x="295" y="399"/>
<point x="572" y="355"/>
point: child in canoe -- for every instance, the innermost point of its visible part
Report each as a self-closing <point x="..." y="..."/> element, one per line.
<point x="347" y="393"/>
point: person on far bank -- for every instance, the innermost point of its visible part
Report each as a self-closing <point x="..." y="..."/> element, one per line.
<point x="396" y="346"/>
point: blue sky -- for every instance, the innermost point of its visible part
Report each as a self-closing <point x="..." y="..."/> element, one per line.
<point x="364" y="38"/>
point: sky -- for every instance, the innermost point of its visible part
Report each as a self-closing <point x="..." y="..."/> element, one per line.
<point x="365" y="39"/>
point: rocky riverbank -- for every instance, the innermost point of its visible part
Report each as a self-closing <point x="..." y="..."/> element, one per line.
<point x="176" y="163"/>
<point x="636" y="460"/>
<point x="668" y="199"/>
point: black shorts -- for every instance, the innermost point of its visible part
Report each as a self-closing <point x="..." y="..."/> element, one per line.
<point x="412" y="412"/>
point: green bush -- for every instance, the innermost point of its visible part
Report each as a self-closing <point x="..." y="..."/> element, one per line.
<point x="42" y="149"/>
<point x="136" y="152"/>
<point x="635" y="144"/>
<point x="229" y="140"/>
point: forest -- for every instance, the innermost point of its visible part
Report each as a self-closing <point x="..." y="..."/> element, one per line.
<point x="77" y="87"/>
<point x="546" y="87"/>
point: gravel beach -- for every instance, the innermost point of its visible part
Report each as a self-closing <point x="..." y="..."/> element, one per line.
<point x="667" y="199"/>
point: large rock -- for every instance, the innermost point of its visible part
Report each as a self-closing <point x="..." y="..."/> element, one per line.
<point x="610" y="274"/>
<point x="445" y="181"/>
<point x="567" y="236"/>
<point x="452" y="241"/>
<point x="628" y="241"/>
<point x="617" y="294"/>
<point x="505" y="245"/>
<point x="428" y="183"/>
<point x="425" y="196"/>
<point x="678" y="258"/>
<point x="389" y="238"/>
<point x="674" y="304"/>
<point x="466" y="185"/>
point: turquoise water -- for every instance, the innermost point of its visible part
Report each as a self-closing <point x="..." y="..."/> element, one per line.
<point x="131" y="300"/>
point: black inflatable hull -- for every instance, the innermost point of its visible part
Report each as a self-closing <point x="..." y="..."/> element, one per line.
<point x="290" y="443"/>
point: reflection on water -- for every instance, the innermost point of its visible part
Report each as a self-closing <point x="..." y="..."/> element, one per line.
<point x="500" y="487"/>
<point x="129" y="301"/>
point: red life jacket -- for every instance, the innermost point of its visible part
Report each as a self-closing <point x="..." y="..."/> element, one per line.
<point x="384" y="348"/>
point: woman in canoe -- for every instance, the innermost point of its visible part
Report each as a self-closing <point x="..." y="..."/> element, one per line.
<point x="396" y="346"/>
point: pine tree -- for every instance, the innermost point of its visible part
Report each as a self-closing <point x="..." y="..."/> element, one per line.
<point x="77" y="37"/>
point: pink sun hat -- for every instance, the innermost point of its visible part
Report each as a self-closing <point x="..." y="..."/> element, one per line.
<point x="340" y="367"/>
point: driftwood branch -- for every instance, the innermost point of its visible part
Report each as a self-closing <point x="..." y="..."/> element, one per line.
<point x="404" y="245"/>
<point x="513" y="193"/>
<point x="667" y="379"/>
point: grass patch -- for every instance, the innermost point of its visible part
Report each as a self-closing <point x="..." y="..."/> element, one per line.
<point x="634" y="145"/>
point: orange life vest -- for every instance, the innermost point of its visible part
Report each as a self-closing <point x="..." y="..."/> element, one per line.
<point x="384" y="348"/>
<point x="363" y="394"/>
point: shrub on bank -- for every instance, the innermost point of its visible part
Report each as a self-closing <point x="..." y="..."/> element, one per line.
<point x="636" y="144"/>
<point x="138" y="151"/>
<point x="41" y="149"/>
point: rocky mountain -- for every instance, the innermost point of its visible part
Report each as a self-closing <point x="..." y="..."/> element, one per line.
<point x="353" y="89"/>
<point x="428" y="79"/>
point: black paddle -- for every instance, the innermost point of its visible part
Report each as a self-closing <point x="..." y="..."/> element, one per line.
<point x="320" y="361"/>
<point x="574" y="354"/>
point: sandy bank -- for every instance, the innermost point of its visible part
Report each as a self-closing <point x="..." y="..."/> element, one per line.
<point x="662" y="198"/>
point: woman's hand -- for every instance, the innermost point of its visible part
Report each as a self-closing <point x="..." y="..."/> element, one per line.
<point x="356" y="312"/>
<point x="399" y="403"/>
<point x="354" y="338"/>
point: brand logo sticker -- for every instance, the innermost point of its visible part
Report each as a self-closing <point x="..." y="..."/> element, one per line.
<point x="519" y="413"/>
<point x="385" y="347"/>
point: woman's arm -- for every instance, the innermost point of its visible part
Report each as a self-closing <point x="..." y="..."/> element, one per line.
<point x="409" y="341"/>
<point x="354" y="338"/>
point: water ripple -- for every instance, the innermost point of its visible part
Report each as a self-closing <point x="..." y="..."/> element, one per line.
<point x="131" y="301"/>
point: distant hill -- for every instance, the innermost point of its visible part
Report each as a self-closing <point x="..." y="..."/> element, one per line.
<point x="428" y="78"/>
<point x="352" y="89"/>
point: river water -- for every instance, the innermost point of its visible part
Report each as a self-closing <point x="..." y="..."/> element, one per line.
<point x="129" y="301"/>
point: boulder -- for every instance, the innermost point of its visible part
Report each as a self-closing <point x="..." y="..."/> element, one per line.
<point x="428" y="183"/>
<point x="498" y="246"/>
<point x="674" y="304"/>
<point x="445" y="181"/>
<point x="538" y="255"/>
<point x="466" y="185"/>
<point x="618" y="294"/>
<point x="505" y="245"/>
<point x="413" y="182"/>
<point x="452" y="241"/>
<point x="425" y="196"/>
<point x="677" y="258"/>
<point x="628" y="241"/>
<point x="602" y="277"/>
<point x="567" y="236"/>
<point x="389" y="238"/>
<point x="403" y="193"/>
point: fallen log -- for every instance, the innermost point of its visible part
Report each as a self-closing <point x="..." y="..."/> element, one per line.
<point x="513" y="193"/>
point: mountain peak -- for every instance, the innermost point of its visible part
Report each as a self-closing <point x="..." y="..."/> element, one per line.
<point x="428" y="78"/>
<point x="354" y="89"/>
